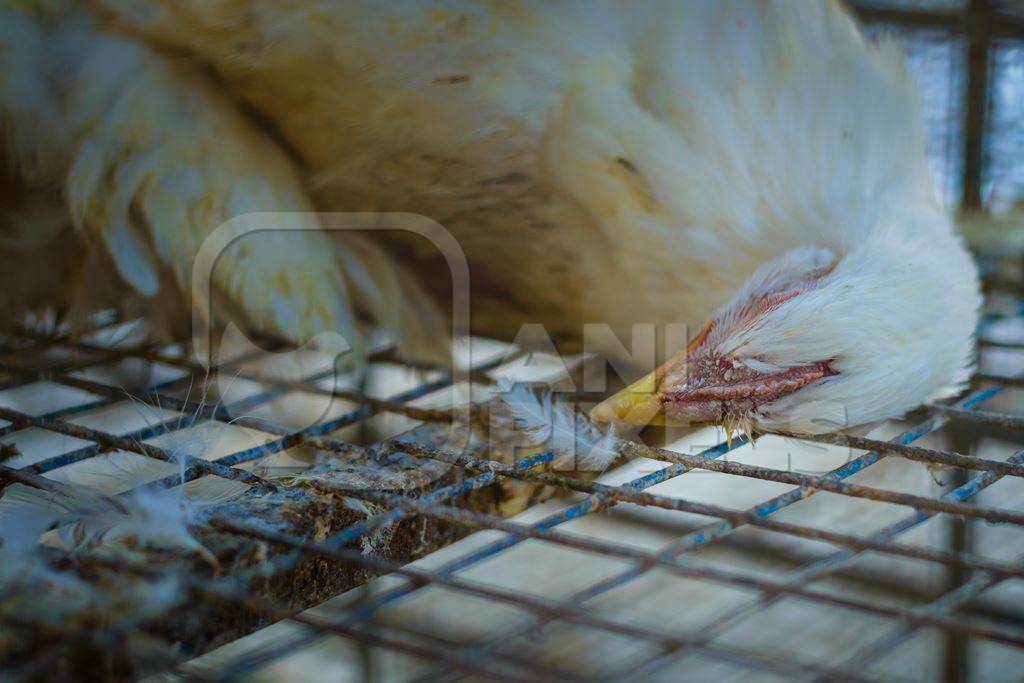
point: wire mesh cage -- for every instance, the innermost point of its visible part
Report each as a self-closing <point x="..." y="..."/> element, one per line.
<point x="302" y="525"/>
<point x="847" y="557"/>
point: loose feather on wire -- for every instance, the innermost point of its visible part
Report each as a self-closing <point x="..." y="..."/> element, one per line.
<point x="547" y="420"/>
<point x="149" y="517"/>
<point x="142" y="515"/>
<point x="33" y="587"/>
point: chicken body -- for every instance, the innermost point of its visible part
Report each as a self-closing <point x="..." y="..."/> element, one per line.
<point x="596" y="162"/>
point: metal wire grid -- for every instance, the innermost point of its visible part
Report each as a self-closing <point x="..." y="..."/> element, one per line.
<point x="966" y="57"/>
<point x="488" y="660"/>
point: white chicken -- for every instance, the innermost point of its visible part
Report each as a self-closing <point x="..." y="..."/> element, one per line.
<point x="598" y="161"/>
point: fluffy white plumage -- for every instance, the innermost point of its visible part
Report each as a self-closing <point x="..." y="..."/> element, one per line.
<point x="596" y="160"/>
<point x="555" y="424"/>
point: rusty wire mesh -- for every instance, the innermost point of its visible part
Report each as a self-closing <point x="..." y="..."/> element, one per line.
<point x="727" y="586"/>
<point x="506" y="651"/>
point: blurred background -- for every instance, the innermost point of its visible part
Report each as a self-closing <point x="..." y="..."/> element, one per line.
<point x="968" y="59"/>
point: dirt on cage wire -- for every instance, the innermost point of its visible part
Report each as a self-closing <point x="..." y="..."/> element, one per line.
<point x="112" y="413"/>
<point x="339" y="544"/>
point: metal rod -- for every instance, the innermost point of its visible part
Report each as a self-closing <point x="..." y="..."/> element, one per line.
<point x="195" y="466"/>
<point x="977" y="29"/>
<point x="916" y="453"/>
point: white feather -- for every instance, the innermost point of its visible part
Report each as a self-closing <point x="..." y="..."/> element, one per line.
<point x="152" y="518"/>
<point x="31" y="585"/>
<point x="22" y="522"/>
<point x="148" y="516"/>
<point x="23" y="519"/>
<point x="547" y="420"/>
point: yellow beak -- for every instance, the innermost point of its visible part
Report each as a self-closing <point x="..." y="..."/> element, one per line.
<point x="640" y="404"/>
<point x="636" y="405"/>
